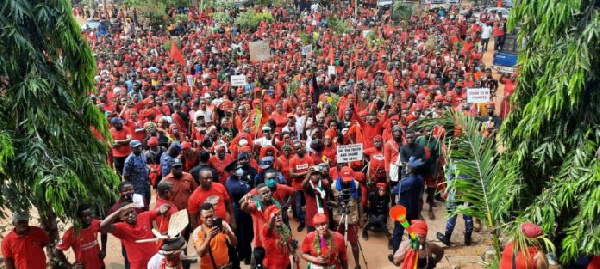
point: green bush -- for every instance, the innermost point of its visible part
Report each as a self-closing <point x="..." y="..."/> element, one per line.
<point x="221" y="17"/>
<point x="250" y="20"/>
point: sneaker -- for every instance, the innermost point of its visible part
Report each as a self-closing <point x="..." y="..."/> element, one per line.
<point x="365" y="235"/>
<point x="391" y="258"/>
<point x="300" y="227"/>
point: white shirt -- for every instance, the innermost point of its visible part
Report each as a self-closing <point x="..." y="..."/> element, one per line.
<point x="486" y="31"/>
<point x="206" y="113"/>
<point x="263" y="141"/>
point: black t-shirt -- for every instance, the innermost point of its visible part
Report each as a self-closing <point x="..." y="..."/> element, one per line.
<point x="379" y="204"/>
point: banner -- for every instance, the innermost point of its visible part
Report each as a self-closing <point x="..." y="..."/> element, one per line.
<point x="478" y="95"/>
<point x="238" y="80"/>
<point x="259" y="51"/>
<point x="306" y="50"/>
<point x="349" y="153"/>
<point x="331" y="70"/>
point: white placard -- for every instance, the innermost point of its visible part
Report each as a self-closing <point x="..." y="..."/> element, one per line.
<point x="331" y="70"/>
<point x="238" y="80"/>
<point x="138" y="199"/>
<point x="307" y="49"/>
<point x="366" y="33"/>
<point x="349" y="153"/>
<point x="478" y="95"/>
<point x="190" y="80"/>
<point x="259" y="51"/>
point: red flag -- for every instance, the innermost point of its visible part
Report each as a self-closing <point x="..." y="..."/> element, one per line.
<point x="331" y="56"/>
<point x="176" y="53"/>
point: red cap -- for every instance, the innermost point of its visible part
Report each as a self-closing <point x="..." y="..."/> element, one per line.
<point x="153" y="141"/>
<point x="319" y="218"/>
<point x="271" y="210"/>
<point x="347" y="174"/>
<point x="382" y="185"/>
<point x="377" y="137"/>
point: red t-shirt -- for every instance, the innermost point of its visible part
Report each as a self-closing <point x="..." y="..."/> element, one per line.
<point x="26" y="251"/>
<point x="275" y="255"/>
<point x="258" y="222"/>
<point x="138" y="254"/>
<point x="376" y="162"/>
<point x="162" y="221"/>
<point x="299" y="165"/>
<point x="216" y="195"/>
<point x="334" y="257"/>
<point x="122" y="150"/>
<point x="85" y="245"/>
<point x="220" y="165"/>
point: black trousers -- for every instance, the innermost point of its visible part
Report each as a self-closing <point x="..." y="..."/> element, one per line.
<point x="377" y="221"/>
<point x="119" y="164"/>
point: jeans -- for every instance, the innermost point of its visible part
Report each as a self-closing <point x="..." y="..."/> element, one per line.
<point x="377" y="221"/>
<point x="299" y="201"/>
<point x="451" y="223"/>
<point x="484" y="44"/>
<point x="399" y="232"/>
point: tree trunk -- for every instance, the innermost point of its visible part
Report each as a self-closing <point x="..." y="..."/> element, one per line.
<point x="50" y="225"/>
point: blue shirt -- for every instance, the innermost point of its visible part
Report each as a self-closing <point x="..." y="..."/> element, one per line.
<point x="165" y="163"/>
<point x="237" y="189"/>
<point x="410" y="191"/>
<point x="136" y="170"/>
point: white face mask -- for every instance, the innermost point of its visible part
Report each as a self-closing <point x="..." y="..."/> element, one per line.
<point x="239" y="172"/>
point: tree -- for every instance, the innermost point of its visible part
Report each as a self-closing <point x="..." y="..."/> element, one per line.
<point x="552" y="132"/>
<point x="49" y="156"/>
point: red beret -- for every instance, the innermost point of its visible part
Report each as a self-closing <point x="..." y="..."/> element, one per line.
<point x="319" y="218"/>
<point x="153" y="141"/>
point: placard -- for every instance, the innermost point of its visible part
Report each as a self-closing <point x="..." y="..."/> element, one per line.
<point x="365" y="33"/>
<point x="478" y="95"/>
<point x="190" y="80"/>
<point x="349" y="153"/>
<point x="331" y="70"/>
<point x="238" y="80"/>
<point x="259" y="51"/>
<point x="306" y="50"/>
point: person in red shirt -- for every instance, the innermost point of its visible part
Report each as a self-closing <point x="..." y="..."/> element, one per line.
<point x="376" y="169"/>
<point x="317" y="190"/>
<point x="84" y="241"/>
<point x="256" y="208"/>
<point x="372" y="127"/>
<point x="277" y="240"/>
<point x="120" y="148"/>
<point x="299" y="168"/>
<point x="133" y="228"/>
<point x="210" y="192"/>
<point x="164" y="195"/>
<point x="391" y="154"/>
<point x="23" y="247"/>
<point x="220" y="161"/>
<point x="182" y="182"/>
<point x="323" y="247"/>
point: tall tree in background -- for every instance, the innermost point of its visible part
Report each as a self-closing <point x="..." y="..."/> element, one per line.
<point x="49" y="157"/>
<point x="553" y="131"/>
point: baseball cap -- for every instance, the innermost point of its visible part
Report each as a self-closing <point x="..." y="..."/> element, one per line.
<point x="176" y="162"/>
<point x="20" y="216"/>
<point x="135" y="143"/>
<point x="347" y="174"/>
<point x="153" y="141"/>
<point x="116" y="120"/>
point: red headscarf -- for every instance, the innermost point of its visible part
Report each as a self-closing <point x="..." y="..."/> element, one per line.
<point x="417" y="227"/>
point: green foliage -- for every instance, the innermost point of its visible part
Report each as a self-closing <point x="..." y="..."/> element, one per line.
<point x="49" y="157"/>
<point x="250" y="20"/>
<point x="221" y="17"/>
<point x="292" y="87"/>
<point x="402" y="11"/>
<point x="471" y="160"/>
<point x="552" y="132"/>
<point x="339" y="26"/>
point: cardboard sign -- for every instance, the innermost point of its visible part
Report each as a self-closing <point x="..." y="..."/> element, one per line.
<point x="331" y="70"/>
<point x="349" y="153"/>
<point x="306" y="50"/>
<point x="238" y="80"/>
<point x="478" y="95"/>
<point x="259" y="51"/>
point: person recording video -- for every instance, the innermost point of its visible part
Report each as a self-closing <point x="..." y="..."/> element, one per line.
<point x="316" y="193"/>
<point x="348" y="212"/>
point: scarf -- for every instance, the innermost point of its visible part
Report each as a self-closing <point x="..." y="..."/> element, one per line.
<point x="319" y="196"/>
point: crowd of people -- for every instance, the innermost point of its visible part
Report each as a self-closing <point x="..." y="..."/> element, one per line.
<point x="249" y="162"/>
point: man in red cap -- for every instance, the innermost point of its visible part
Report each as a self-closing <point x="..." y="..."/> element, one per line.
<point x="418" y="250"/>
<point x="346" y="193"/>
<point x="277" y="240"/>
<point x="535" y="256"/>
<point x="324" y="248"/>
